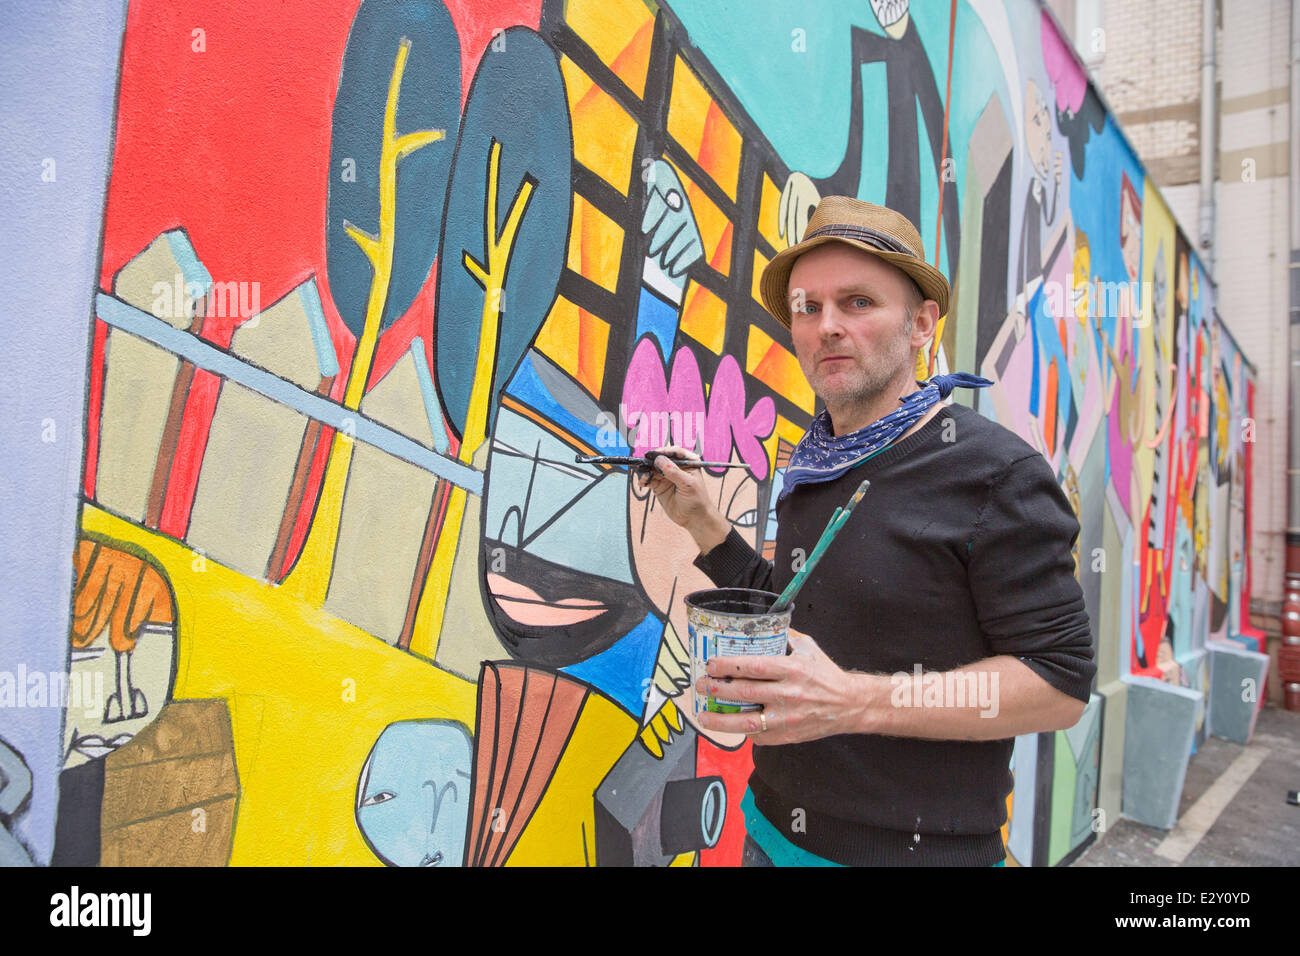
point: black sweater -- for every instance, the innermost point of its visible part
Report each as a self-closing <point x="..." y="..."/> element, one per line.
<point x="959" y="551"/>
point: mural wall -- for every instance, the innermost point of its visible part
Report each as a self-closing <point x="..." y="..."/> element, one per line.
<point x="374" y="274"/>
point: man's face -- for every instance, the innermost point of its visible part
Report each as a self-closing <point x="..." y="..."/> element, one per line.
<point x="851" y="322"/>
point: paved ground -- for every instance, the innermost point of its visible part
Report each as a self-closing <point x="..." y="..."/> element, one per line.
<point x="1253" y="826"/>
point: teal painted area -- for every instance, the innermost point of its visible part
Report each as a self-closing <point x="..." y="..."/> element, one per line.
<point x="929" y="198"/>
<point x="875" y="134"/>
<point x="778" y="849"/>
<point x="792" y="86"/>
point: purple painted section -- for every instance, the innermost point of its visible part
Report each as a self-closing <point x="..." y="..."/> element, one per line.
<point x="58" y="68"/>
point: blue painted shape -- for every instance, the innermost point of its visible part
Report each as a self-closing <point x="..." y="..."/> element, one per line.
<point x="429" y="98"/>
<point x="622" y="670"/>
<point x="517" y="101"/>
<point x="206" y="356"/>
<point x="429" y="393"/>
<point x="309" y="297"/>
<point x="528" y="388"/>
<point x="192" y="270"/>
<point x="413" y="795"/>
<point x="656" y="318"/>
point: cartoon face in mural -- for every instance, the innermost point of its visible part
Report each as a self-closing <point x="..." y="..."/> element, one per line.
<point x="413" y="795"/>
<point x="557" y="584"/>
<point x="672" y="409"/>
<point x="666" y="578"/>
<point x="892" y="15"/>
<point x="1038" y="130"/>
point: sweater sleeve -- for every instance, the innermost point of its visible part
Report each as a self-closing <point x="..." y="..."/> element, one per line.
<point x="734" y="564"/>
<point x="1028" y="601"/>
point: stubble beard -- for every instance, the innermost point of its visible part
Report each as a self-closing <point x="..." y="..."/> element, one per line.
<point x="878" y="376"/>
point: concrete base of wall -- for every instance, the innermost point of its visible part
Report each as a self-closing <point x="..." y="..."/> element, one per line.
<point x="1159" y="727"/>
<point x="1195" y="666"/>
<point x="1236" y="676"/>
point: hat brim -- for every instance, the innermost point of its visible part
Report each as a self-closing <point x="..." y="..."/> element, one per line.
<point x="774" y="284"/>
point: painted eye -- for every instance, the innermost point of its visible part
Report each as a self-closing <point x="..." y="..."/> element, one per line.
<point x="746" y="520"/>
<point x="382" y="797"/>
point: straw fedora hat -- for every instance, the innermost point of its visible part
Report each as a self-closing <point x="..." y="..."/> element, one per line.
<point x="863" y="225"/>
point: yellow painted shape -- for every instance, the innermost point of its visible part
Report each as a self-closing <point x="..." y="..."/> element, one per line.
<point x="593" y="340"/>
<point x="688" y="107"/>
<point x="310" y="576"/>
<point x="619" y="32"/>
<point x="287" y="670"/>
<point x="576" y="340"/>
<point x="769" y="205"/>
<point x="786" y="429"/>
<point x="554" y="836"/>
<point x="604" y="135"/>
<point x="720" y="151"/>
<point x="704" y="317"/>
<point x="697" y="122"/>
<point x="558" y="337"/>
<point x="777" y="367"/>
<point x="432" y="605"/>
<point x="595" y="244"/>
<point x="650" y="740"/>
<point x="715" y="227"/>
<point x="760" y="263"/>
<point x="491" y="275"/>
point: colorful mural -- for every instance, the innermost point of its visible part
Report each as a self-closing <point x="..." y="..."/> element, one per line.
<point x="373" y="274"/>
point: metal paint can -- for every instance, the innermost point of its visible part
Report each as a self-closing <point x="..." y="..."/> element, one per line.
<point x="732" y="622"/>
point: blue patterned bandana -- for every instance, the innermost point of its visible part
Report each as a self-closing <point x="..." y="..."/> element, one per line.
<point x="823" y="456"/>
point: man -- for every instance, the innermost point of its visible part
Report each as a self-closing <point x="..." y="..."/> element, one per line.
<point x="944" y="620"/>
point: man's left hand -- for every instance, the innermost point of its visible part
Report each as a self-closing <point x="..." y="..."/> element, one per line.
<point x="805" y="695"/>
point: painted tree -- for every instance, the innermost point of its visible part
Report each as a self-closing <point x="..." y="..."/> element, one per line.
<point x="506" y="227"/>
<point x="398" y="99"/>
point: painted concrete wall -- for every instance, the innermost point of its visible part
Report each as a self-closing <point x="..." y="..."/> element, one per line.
<point x="372" y="275"/>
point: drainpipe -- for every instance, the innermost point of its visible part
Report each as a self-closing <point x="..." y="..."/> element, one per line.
<point x="1209" y="136"/>
<point x="1289" y="653"/>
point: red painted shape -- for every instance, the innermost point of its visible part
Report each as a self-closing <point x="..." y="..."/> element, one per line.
<point x="226" y="133"/>
<point x="734" y="767"/>
<point x="94" y="408"/>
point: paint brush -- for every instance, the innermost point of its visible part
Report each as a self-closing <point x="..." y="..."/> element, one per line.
<point x="646" y="463"/>
<point x="833" y="526"/>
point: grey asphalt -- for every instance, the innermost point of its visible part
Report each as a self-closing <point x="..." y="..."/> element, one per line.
<point x="1257" y="827"/>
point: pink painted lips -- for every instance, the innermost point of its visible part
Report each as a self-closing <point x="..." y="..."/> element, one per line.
<point x="526" y="606"/>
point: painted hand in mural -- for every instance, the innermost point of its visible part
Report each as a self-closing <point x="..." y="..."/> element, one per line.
<point x="805" y="695"/>
<point x="674" y="237"/>
<point x="799" y="198"/>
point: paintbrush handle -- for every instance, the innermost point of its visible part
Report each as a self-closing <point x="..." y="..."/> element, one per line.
<point x="833" y="526"/>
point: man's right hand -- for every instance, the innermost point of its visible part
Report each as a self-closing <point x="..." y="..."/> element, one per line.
<point x="685" y="498"/>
